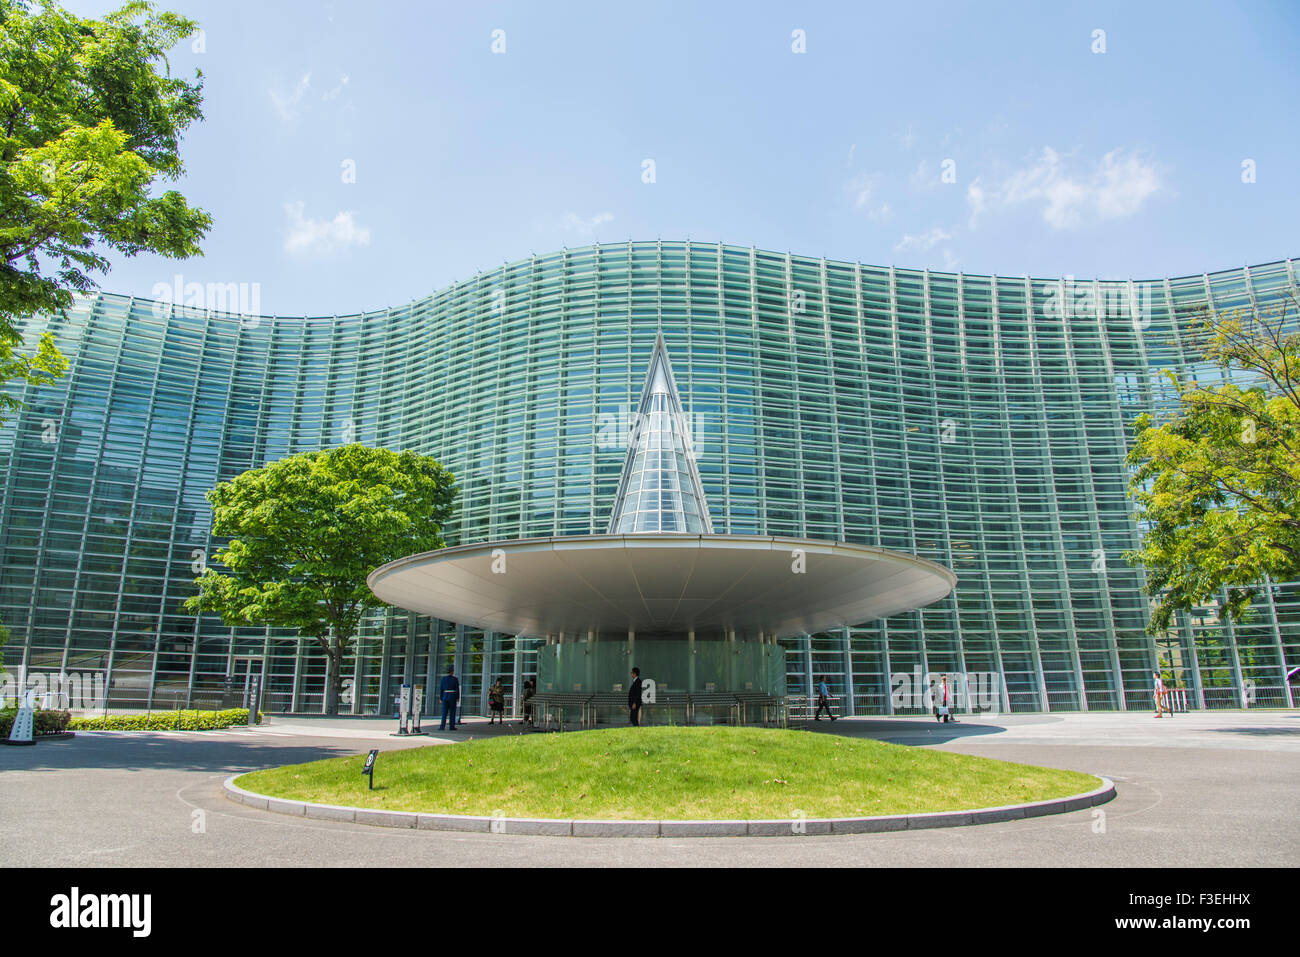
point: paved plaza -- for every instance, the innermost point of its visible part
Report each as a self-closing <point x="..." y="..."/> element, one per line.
<point x="1204" y="789"/>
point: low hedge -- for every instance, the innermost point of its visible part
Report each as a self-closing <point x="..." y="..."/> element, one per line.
<point x="46" y="722"/>
<point x="165" y="721"/>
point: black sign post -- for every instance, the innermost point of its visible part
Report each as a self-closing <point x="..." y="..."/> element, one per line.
<point x="254" y="698"/>
<point x="369" y="769"/>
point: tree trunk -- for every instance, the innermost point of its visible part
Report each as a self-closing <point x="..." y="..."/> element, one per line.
<point x="332" y="684"/>
<point x="334" y="680"/>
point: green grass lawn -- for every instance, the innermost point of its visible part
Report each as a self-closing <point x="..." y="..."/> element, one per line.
<point x="669" y="773"/>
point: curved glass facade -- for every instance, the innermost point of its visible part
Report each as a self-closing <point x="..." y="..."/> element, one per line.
<point x="978" y="421"/>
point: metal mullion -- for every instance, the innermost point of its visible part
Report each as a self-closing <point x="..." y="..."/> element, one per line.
<point x="798" y="394"/>
<point x="1268" y="583"/>
<point x="565" y="325"/>
<point x="724" y="379"/>
<point x="943" y="478"/>
<point x="1103" y="329"/>
<point x="185" y="469"/>
<point x="834" y="400"/>
<point x="64" y="418"/>
<point x="869" y="434"/>
<point x="207" y="545"/>
<point x="130" y="529"/>
<point x="1005" y="693"/>
<point x="996" y="315"/>
<point x="760" y="445"/>
<point x="1073" y="369"/>
<point x="907" y="455"/>
<point x="1230" y="632"/>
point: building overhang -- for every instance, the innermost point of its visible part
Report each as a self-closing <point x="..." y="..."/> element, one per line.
<point x="661" y="584"/>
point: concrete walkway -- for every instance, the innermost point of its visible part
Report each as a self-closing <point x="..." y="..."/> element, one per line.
<point x="1214" y="789"/>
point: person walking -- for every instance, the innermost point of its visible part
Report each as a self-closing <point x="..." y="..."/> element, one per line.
<point x="634" y="698"/>
<point x="823" y="699"/>
<point x="1160" y="693"/>
<point x="945" y="700"/>
<point x="449" y="692"/>
<point x="497" y="703"/>
<point x="530" y="689"/>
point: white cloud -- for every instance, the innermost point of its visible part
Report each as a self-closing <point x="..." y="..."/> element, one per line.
<point x="573" y="223"/>
<point x="1115" y="188"/>
<point x="906" y="140"/>
<point x="926" y="240"/>
<point x="308" y="236"/>
<point x="287" y="104"/>
<point x="863" y="190"/>
<point x="922" y="177"/>
<point x="337" y="89"/>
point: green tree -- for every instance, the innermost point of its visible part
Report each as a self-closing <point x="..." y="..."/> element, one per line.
<point x="1217" y="481"/>
<point x="90" y="121"/>
<point x="306" y="531"/>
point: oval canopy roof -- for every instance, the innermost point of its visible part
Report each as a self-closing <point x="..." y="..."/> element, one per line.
<point x="661" y="583"/>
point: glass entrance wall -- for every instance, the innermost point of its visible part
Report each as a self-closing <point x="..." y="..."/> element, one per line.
<point x="980" y="421"/>
<point x="714" y="665"/>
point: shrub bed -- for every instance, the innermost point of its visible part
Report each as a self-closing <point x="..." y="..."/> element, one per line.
<point x="46" y="722"/>
<point x="165" y="721"/>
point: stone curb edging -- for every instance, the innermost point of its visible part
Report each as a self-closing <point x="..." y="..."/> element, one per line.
<point x="554" y="827"/>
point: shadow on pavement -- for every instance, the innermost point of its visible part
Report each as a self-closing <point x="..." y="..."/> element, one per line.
<point x="144" y="751"/>
<point x="920" y="731"/>
<point x="1266" y="732"/>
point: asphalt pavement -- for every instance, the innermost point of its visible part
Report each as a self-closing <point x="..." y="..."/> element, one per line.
<point x="1205" y="789"/>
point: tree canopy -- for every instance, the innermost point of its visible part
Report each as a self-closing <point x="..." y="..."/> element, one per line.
<point x="90" y="122"/>
<point x="1217" y="482"/>
<point x="306" y="531"/>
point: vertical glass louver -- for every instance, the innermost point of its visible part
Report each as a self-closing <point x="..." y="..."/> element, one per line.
<point x="660" y="490"/>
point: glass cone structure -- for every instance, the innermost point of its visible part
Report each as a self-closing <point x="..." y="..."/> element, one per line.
<point x="697" y="612"/>
<point x="660" y="490"/>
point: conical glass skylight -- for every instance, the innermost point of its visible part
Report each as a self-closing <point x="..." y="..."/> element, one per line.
<point x="660" y="490"/>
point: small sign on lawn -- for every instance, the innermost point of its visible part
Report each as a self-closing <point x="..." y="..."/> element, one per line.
<point x="369" y="769"/>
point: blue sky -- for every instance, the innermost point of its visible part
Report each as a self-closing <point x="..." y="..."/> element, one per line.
<point x="1117" y="164"/>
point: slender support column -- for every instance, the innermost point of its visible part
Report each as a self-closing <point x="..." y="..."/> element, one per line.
<point x="590" y="682"/>
<point x="516" y="689"/>
<point x="806" y="643"/>
<point x="849" y="707"/>
<point x="458" y="662"/>
<point x="385" y="649"/>
<point x="431" y="666"/>
<point x="486" y="670"/>
<point x="690" y="660"/>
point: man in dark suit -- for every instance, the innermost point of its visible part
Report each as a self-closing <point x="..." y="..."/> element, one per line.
<point x="634" y="697"/>
<point x="449" y="692"/>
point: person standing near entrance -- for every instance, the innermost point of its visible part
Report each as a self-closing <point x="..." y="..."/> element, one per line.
<point x="449" y="692"/>
<point x="634" y="698"/>
<point x="497" y="702"/>
<point x="1160" y="692"/>
<point x="823" y="699"/>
